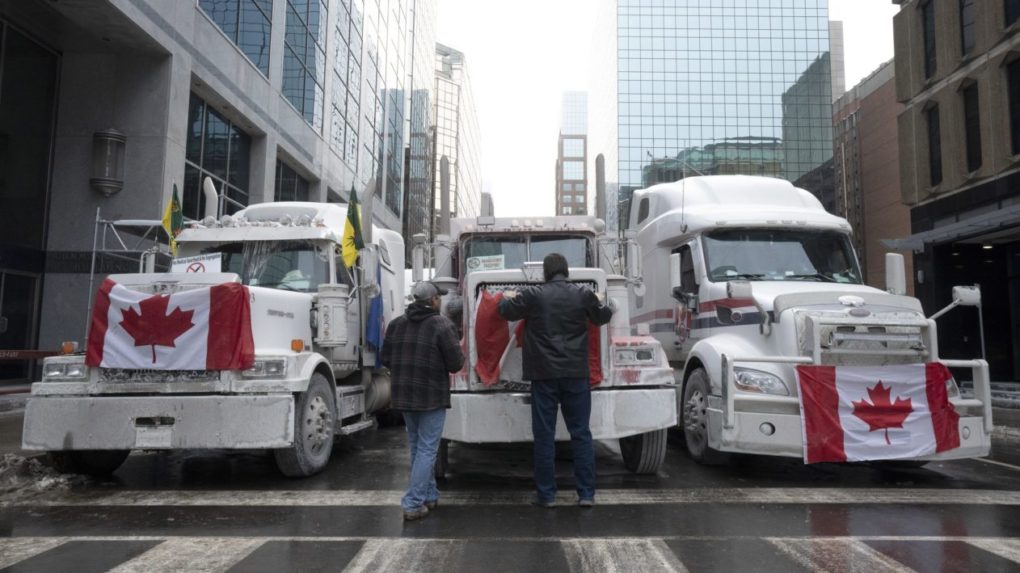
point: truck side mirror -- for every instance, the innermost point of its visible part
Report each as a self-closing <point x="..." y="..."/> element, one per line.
<point x="895" y="274"/>
<point x="739" y="289"/>
<point x="967" y="295"/>
<point x="675" y="279"/>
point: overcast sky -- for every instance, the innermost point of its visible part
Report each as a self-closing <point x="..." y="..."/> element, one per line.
<point x="523" y="55"/>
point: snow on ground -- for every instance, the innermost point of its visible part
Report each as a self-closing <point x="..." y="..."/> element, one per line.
<point x="22" y="477"/>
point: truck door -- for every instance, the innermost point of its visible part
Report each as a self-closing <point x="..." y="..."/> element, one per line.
<point x="687" y="305"/>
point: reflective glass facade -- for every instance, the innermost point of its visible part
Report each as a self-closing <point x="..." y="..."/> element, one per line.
<point x="418" y="168"/>
<point x="248" y="23"/>
<point x="572" y="163"/>
<point x="215" y="148"/>
<point x="457" y="135"/>
<point x="729" y="86"/>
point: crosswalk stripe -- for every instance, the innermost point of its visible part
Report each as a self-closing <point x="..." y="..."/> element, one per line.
<point x="407" y="555"/>
<point x="1005" y="548"/>
<point x="353" y="498"/>
<point x="621" y="556"/>
<point x="196" y="555"/>
<point x="15" y="549"/>
<point x="837" y="556"/>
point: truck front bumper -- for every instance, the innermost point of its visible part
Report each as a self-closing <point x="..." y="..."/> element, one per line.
<point x="751" y="434"/>
<point x="158" y="422"/>
<point x="499" y="417"/>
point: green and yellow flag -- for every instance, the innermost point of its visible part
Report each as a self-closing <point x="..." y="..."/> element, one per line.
<point x="352" y="242"/>
<point x="173" y="220"/>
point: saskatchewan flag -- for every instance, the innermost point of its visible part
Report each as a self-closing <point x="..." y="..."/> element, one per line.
<point x="352" y="241"/>
<point x="173" y="220"/>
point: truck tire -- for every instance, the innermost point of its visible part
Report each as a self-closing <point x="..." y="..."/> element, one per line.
<point x="694" y="420"/>
<point x="644" y="453"/>
<point x="314" y="431"/>
<point x="442" y="464"/>
<point x="97" y="463"/>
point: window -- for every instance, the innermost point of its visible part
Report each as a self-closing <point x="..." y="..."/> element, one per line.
<point x="304" y="59"/>
<point x="966" y="26"/>
<point x="1012" y="11"/>
<point x="1013" y="87"/>
<point x="566" y="210"/>
<point x="642" y="210"/>
<point x="289" y="185"/>
<point x="573" y="170"/>
<point x="934" y="146"/>
<point x="247" y="23"/>
<point x="568" y="198"/>
<point x="972" y="127"/>
<point x="288" y="265"/>
<point x="780" y="255"/>
<point x="928" y="28"/>
<point x="573" y="147"/>
<point x="215" y="148"/>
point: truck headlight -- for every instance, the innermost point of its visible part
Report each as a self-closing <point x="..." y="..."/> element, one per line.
<point x="271" y="368"/>
<point x="64" y="371"/>
<point x="759" y="382"/>
<point x="635" y="355"/>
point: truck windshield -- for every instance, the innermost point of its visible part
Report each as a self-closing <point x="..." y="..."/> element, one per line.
<point x="780" y="255"/>
<point x="511" y="252"/>
<point x="289" y="265"/>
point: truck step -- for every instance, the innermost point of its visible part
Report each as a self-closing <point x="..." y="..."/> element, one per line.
<point x="357" y="427"/>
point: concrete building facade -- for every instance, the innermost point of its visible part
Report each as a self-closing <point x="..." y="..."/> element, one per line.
<point x="958" y="77"/>
<point x="272" y="99"/>
<point x="866" y="163"/>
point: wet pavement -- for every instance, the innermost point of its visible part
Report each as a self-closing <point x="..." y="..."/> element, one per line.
<point x="228" y="511"/>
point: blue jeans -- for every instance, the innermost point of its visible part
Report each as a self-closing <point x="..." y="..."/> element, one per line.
<point x="424" y="430"/>
<point x="573" y="395"/>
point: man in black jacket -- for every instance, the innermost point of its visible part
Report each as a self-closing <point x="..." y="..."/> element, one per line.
<point x="556" y="316"/>
<point x="421" y="349"/>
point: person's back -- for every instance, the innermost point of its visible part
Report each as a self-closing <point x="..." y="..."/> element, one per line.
<point x="556" y="317"/>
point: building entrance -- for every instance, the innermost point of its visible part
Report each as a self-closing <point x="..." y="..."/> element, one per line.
<point x="28" y="91"/>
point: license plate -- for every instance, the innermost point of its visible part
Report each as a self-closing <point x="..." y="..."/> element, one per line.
<point x="153" y="437"/>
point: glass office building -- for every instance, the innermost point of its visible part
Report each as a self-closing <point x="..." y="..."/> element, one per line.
<point x="729" y="86"/>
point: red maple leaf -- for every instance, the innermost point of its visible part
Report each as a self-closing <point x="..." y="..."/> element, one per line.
<point x="154" y="326"/>
<point x="882" y="414"/>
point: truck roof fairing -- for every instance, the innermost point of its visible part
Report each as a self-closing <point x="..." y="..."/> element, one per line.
<point x="718" y="201"/>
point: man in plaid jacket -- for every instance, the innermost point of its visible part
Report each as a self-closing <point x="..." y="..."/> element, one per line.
<point x="421" y="349"/>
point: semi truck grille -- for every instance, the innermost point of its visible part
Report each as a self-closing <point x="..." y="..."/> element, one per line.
<point x="124" y="375"/>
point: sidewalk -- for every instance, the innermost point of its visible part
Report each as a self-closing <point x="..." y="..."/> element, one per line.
<point x="13" y="397"/>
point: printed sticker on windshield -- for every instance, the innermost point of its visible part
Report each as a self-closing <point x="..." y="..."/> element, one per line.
<point x="486" y="263"/>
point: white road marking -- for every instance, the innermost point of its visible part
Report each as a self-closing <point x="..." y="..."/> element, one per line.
<point x="367" y="498"/>
<point x="15" y="549"/>
<point x="1005" y="548"/>
<point x="830" y="555"/>
<point x="195" y="555"/>
<point x="997" y="463"/>
<point x="621" y="556"/>
<point x="407" y="555"/>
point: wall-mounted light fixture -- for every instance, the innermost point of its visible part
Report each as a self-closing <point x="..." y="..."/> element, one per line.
<point x="108" y="161"/>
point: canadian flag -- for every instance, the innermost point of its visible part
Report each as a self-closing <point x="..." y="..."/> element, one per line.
<point x="858" y="413"/>
<point x="200" y="329"/>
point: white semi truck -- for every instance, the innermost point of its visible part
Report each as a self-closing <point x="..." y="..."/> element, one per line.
<point x="635" y="399"/>
<point x="312" y="375"/>
<point x="748" y="277"/>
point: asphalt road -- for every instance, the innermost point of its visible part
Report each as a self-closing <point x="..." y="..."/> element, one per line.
<point x="229" y="511"/>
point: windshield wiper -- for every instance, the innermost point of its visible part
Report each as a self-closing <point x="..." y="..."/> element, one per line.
<point x="750" y="276"/>
<point x="825" y="278"/>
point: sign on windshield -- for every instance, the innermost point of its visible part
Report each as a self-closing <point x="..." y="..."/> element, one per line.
<point x="211" y="263"/>
<point x="486" y="263"/>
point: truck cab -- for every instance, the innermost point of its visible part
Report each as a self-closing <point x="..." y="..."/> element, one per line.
<point x="306" y="373"/>
<point x="749" y="277"/>
<point x="632" y="384"/>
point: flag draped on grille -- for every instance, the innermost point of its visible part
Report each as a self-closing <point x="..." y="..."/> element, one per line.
<point x="352" y="242"/>
<point x="858" y="413"/>
<point x="199" y="329"/>
<point x="173" y="220"/>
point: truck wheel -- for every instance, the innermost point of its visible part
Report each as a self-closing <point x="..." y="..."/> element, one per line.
<point x="643" y="453"/>
<point x="97" y="463"/>
<point x="442" y="459"/>
<point x="694" y="420"/>
<point x="314" y="430"/>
